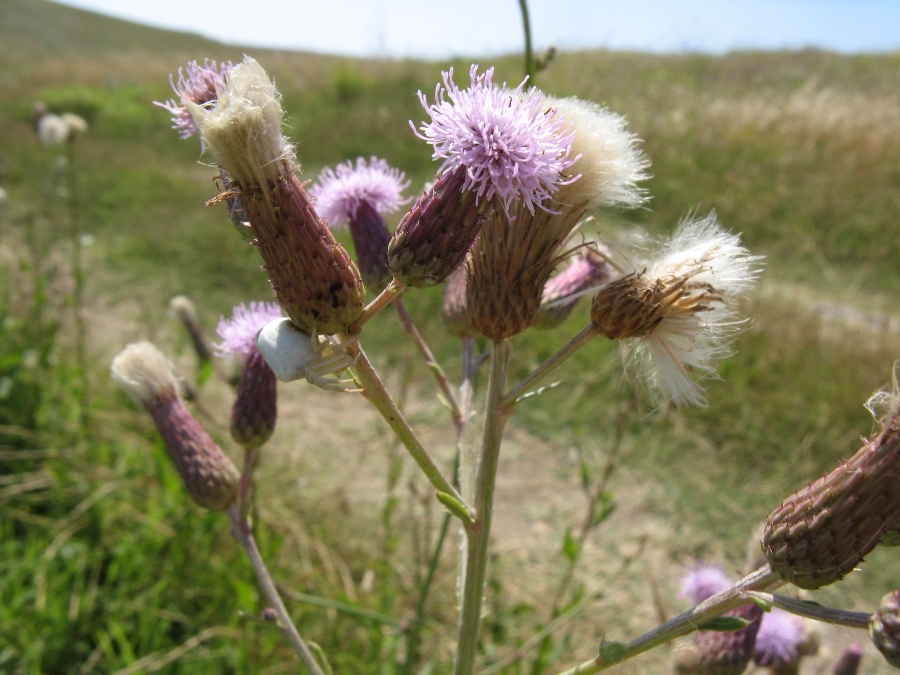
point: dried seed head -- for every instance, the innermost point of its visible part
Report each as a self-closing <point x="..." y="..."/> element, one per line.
<point x="679" y="308"/>
<point x="825" y="530"/>
<point x="729" y="653"/>
<point x="884" y="628"/>
<point x="184" y="310"/>
<point x="314" y="279"/>
<point x="207" y="473"/>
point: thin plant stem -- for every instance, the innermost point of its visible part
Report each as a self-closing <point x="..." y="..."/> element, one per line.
<point x="375" y="392"/>
<point x="464" y="431"/>
<point x="343" y="607"/>
<point x="438" y="372"/>
<point x="414" y="634"/>
<point x="518" y="392"/>
<point x="478" y="533"/>
<point x="612" y="653"/>
<point x="393" y="291"/>
<point x="241" y="530"/>
<point x="529" y="50"/>
<point x="837" y="617"/>
<point x="78" y="292"/>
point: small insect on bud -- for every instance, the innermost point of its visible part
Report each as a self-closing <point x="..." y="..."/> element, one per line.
<point x="206" y="471"/>
<point x="884" y="628"/>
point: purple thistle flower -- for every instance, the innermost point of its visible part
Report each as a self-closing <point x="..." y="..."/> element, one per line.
<point x="507" y="144"/>
<point x="239" y="333"/>
<point x="702" y="581"/>
<point x="199" y="85"/>
<point x="340" y="192"/>
<point x="779" y="639"/>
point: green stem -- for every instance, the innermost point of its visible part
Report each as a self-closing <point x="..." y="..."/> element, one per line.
<point x="517" y="393"/>
<point x="376" y="393"/>
<point x="837" y="617"/>
<point x="612" y="653"/>
<point x="241" y="530"/>
<point x="344" y="607"/>
<point x="439" y="375"/>
<point x="479" y="533"/>
<point x="529" y="51"/>
<point x="393" y="291"/>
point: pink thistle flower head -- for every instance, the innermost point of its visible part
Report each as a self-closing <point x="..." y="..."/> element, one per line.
<point x="197" y="84"/>
<point x="239" y="332"/>
<point x="340" y="192"/>
<point x="507" y="144"/>
<point x="779" y="639"/>
<point x="703" y="581"/>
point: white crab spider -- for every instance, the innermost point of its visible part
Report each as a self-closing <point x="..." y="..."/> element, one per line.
<point x="293" y="355"/>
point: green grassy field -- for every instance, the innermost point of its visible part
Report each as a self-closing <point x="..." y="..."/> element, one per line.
<point x="105" y="565"/>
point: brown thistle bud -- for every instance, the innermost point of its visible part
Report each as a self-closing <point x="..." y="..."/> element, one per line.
<point x="510" y="264"/>
<point x="314" y="279"/>
<point x="562" y="292"/>
<point x="849" y="660"/>
<point x="433" y="238"/>
<point x="206" y="471"/>
<point x="255" y="409"/>
<point x="824" y="531"/>
<point x="884" y="628"/>
<point x="454" y="308"/>
<point x="729" y="653"/>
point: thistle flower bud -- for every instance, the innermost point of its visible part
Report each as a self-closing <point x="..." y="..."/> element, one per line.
<point x="314" y="279"/>
<point x="358" y="196"/>
<point x="825" y="530"/>
<point x="562" y="292"/>
<point x="679" y="308"/>
<point x="728" y="653"/>
<point x="703" y="581"/>
<point x="849" y="660"/>
<point x="146" y="376"/>
<point x="184" y="310"/>
<point x="453" y="309"/>
<point x="778" y="643"/>
<point x="255" y="409"/>
<point x="884" y="628"/>
<point x="198" y="85"/>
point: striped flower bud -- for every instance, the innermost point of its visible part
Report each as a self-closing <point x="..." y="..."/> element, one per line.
<point x="453" y="309"/>
<point x="206" y="471"/>
<point x="825" y="530"/>
<point x="314" y="279"/>
<point x="255" y="408"/>
<point x="729" y="653"/>
<point x="562" y="292"/>
<point x="849" y="660"/>
<point x="884" y="628"/>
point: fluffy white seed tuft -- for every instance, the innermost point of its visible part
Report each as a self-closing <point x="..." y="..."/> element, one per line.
<point x="145" y="374"/>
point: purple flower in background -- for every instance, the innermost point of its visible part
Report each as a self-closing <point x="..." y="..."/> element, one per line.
<point x="506" y="142"/>
<point x="339" y="193"/>
<point x="702" y="581"/>
<point x="779" y="639"/>
<point x="198" y="84"/>
<point x="239" y="332"/>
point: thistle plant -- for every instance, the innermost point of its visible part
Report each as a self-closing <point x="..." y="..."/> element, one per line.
<point x="521" y="174"/>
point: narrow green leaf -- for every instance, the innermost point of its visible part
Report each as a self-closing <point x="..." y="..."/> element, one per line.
<point x="724" y="624"/>
<point x="455" y="507"/>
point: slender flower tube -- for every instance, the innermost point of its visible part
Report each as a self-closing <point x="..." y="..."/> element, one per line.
<point x="499" y="147"/>
<point x="884" y="628"/>
<point x="255" y="409"/>
<point x="316" y="283"/>
<point x="679" y="309"/>
<point x="589" y="270"/>
<point x="358" y="197"/>
<point x="146" y="376"/>
<point x="825" y="530"/>
<point x="184" y="310"/>
<point x="519" y="249"/>
<point x="729" y="653"/>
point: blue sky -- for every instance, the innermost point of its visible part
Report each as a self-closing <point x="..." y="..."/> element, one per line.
<point x="436" y="30"/>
